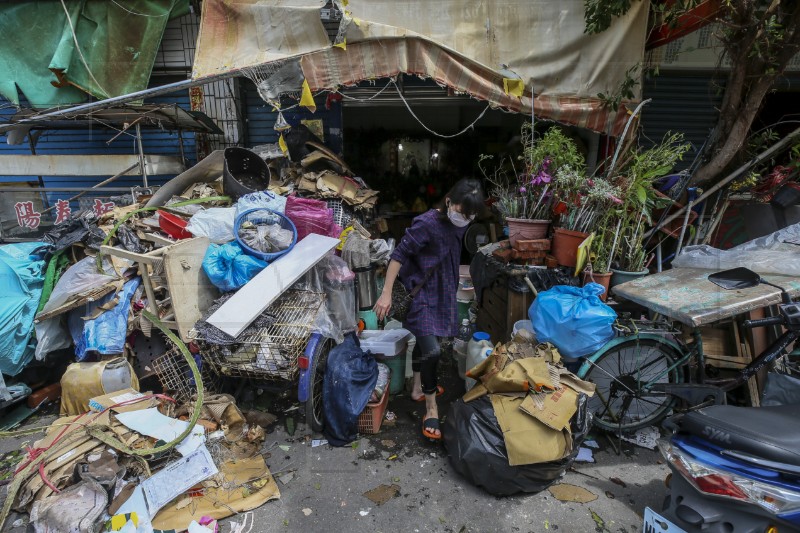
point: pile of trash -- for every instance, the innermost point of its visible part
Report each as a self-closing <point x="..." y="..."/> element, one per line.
<point x="520" y="427"/>
<point x="144" y="291"/>
<point x="138" y="462"/>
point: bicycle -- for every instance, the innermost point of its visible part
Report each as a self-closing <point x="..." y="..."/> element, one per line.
<point x="640" y="374"/>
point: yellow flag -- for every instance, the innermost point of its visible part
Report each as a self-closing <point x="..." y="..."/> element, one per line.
<point x="583" y="253"/>
<point x="282" y="144"/>
<point x="306" y="99"/>
<point x="513" y="87"/>
<point x="342" y="45"/>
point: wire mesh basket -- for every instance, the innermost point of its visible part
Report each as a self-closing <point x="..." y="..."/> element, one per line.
<point x="176" y="377"/>
<point x="342" y="214"/>
<point x="271" y="352"/>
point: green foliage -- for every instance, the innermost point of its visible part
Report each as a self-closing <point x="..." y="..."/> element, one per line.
<point x="600" y="13"/>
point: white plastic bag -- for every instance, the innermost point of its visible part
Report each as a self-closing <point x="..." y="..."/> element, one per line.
<point x="771" y="254"/>
<point x="255" y="200"/>
<point x="51" y="335"/>
<point x="215" y="223"/>
<point x="79" y="278"/>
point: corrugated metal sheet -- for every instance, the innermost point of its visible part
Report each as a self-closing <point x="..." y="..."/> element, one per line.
<point x="681" y="103"/>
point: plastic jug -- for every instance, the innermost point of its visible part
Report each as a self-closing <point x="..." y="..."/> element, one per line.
<point x="478" y="349"/>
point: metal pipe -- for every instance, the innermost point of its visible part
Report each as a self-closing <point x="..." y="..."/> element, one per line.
<point x="730" y="177"/>
<point x="109" y="180"/>
<point x="123" y="99"/>
<point x="142" y="161"/>
<point x="716" y="221"/>
<point x="683" y="228"/>
<point x="658" y="256"/>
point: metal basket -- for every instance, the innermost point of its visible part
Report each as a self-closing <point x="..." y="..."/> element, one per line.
<point x="270" y="353"/>
<point x="342" y="214"/>
<point x="176" y="377"/>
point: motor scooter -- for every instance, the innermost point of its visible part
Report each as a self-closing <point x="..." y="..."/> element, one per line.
<point x="735" y="469"/>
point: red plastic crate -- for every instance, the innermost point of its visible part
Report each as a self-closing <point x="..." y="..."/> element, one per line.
<point x="371" y="418"/>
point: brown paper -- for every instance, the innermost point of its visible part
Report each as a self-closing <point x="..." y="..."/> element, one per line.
<point x="528" y="441"/>
<point x="218" y="502"/>
<point x="575" y="383"/>
<point x="558" y="409"/>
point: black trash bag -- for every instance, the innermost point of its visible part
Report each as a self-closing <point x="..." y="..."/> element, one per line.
<point x="350" y="377"/>
<point x="128" y="239"/>
<point x="296" y="139"/>
<point x="477" y="450"/>
<point x="780" y="389"/>
<point x="73" y="231"/>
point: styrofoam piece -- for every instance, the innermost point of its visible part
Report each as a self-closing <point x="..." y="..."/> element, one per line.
<point x="262" y="291"/>
<point x="387" y="342"/>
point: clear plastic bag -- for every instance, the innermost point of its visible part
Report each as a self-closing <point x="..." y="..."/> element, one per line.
<point x="332" y="277"/>
<point x="266" y="238"/>
<point x="215" y="223"/>
<point x="80" y="277"/>
<point x="255" y="200"/>
<point x="775" y="253"/>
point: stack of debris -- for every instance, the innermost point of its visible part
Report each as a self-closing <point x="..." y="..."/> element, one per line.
<point x="520" y="427"/>
<point x="531" y="252"/>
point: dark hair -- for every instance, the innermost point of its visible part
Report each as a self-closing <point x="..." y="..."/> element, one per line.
<point x="468" y="194"/>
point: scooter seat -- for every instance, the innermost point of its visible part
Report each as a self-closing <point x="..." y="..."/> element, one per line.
<point x="770" y="433"/>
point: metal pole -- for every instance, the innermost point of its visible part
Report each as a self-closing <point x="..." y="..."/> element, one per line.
<point x="730" y="177"/>
<point x="142" y="161"/>
<point x="123" y="99"/>
<point x="658" y="256"/>
<point x="104" y="182"/>
<point x="715" y="223"/>
<point x="180" y="145"/>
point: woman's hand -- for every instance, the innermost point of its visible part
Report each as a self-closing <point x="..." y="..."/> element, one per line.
<point x="383" y="305"/>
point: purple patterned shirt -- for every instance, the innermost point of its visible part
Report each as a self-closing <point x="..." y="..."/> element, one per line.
<point x="431" y="243"/>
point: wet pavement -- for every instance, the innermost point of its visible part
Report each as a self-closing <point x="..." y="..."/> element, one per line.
<point x="411" y="487"/>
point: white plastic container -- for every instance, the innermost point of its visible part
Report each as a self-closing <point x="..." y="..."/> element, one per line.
<point x="478" y="349"/>
<point x="388" y="342"/>
<point x="522" y="324"/>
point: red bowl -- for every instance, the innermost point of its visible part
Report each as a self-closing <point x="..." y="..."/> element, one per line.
<point x="173" y="225"/>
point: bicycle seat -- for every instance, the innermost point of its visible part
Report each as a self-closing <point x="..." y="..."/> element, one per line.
<point x="771" y="433"/>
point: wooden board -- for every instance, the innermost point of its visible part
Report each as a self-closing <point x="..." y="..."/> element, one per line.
<point x="261" y="291"/>
<point x="686" y="295"/>
<point x="191" y="292"/>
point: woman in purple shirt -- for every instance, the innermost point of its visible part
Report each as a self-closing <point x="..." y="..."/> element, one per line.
<point x="429" y="254"/>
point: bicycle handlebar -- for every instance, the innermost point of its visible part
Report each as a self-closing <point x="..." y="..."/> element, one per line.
<point x="762" y="322"/>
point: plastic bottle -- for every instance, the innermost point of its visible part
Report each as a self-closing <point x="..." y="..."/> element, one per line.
<point x="476" y="352"/>
<point x="460" y="346"/>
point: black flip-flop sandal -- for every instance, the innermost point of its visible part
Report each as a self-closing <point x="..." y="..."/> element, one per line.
<point x="428" y="426"/>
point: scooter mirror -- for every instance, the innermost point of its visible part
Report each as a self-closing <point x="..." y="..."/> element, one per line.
<point x="735" y="278"/>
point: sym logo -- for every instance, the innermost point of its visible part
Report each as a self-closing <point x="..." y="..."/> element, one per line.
<point x="717" y="435"/>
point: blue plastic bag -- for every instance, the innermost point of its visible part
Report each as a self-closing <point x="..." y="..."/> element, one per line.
<point x="21" y="279"/>
<point x="573" y="319"/>
<point x="105" y="334"/>
<point x="228" y="267"/>
<point x="350" y="377"/>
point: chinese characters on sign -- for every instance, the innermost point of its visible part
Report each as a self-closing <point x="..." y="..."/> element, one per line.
<point x="63" y="211"/>
<point x="27" y="216"/>
<point x="101" y="207"/>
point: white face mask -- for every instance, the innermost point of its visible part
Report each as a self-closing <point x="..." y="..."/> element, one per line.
<point x="458" y="219"/>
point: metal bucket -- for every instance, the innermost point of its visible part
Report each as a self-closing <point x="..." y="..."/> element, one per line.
<point x="366" y="287"/>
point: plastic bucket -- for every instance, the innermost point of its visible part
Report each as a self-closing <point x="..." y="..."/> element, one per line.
<point x="397" y="364"/>
<point x="243" y="172"/>
<point x="521" y="324"/>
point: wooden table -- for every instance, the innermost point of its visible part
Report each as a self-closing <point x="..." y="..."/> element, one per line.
<point x="686" y="295"/>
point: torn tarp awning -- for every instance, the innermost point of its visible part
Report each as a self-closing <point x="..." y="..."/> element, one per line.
<point x="463" y="44"/>
<point x="118" y="42"/>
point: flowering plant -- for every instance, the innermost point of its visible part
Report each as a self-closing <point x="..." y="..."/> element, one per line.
<point x="530" y="192"/>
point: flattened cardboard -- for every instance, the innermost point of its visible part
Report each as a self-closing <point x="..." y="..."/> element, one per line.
<point x="528" y="441"/>
<point x="559" y="408"/>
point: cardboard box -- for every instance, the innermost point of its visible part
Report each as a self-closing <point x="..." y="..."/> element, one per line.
<point x="100" y="403"/>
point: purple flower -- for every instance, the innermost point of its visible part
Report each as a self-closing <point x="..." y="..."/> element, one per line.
<point x="542" y="176"/>
<point x="523" y="190"/>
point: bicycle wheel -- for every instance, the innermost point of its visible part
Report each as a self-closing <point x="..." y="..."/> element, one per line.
<point x="314" y="413"/>
<point x="623" y="375"/>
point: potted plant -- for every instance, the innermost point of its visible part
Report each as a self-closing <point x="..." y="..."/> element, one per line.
<point x="526" y="200"/>
<point x="634" y="178"/>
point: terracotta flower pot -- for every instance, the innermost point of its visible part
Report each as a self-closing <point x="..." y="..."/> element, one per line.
<point x="619" y="277"/>
<point x="525" y="229"/>
<point x="597" y="277"/>
<point x="565" y="246"/>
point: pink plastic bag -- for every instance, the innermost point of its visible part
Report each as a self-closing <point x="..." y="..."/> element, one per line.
<point x="311" y="216"/>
